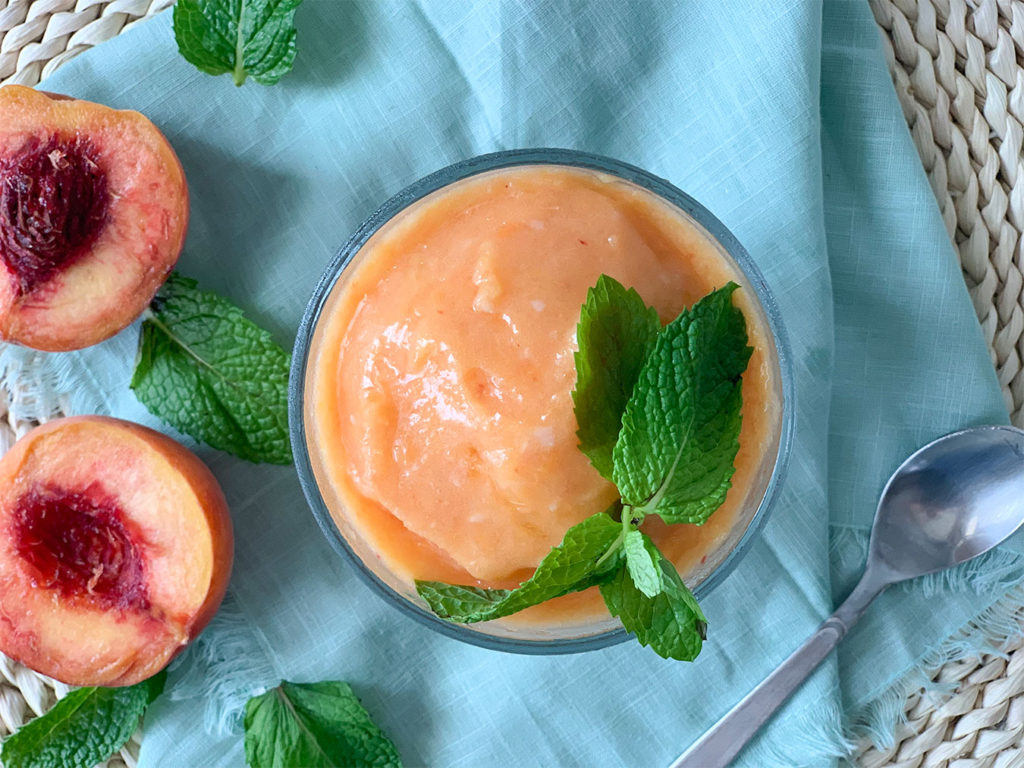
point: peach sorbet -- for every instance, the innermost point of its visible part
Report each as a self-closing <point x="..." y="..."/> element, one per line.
<point x="438" y="403"/>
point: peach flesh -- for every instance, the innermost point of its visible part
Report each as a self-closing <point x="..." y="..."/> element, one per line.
<point x="53" y="202"/>
<point x="80" y="545"/>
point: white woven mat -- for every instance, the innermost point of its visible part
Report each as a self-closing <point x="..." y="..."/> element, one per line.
<point x="37" y="36"/>
<point x="958" y="66"/>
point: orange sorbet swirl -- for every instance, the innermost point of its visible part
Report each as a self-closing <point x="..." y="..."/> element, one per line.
<point x="442" y="371"/>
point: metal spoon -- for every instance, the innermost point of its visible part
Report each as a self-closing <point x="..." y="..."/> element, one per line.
<point x="951" y="501"/>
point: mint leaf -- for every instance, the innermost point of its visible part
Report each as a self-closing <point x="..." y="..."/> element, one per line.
<point x="84" y="728"/>
<point x="680" y="430"/>
<point x="461" y="603"/>
<point x="671" y="622"/>
<point x="314" y="725"/>
<point x="209" y="372"/>
<point x="244" y="37"/>
<point x="587" y="555"/>
<point x="641" y="564"/>
<point x="615" y="334"/>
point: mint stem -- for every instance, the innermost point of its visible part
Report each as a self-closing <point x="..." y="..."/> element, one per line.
<point x="238" y="75"/>
<point x="611" y="550"/>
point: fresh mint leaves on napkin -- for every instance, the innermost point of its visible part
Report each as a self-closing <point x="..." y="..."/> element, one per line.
<point x="314" y="725"/>
<point x="658" y="411"/>
<point x="84" y="728"/>
<point x="213" y="374"/>
<point x="248" y="38"/>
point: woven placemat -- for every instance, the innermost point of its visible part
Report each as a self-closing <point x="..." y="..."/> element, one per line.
<point x="37" y="36"/>
<point x="958" y="66"/>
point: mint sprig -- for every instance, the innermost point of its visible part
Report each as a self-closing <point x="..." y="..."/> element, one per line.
<point x="314" y="725"/>
<point x="658" y="411"/>
<point x="670" y="621"/>
<point x="246" y="38"/>
<point x="84" y="728"/>
<point x="211" y="373"/>
<point x="588" y="554"/>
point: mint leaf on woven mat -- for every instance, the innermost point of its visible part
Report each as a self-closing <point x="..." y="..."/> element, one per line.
<point x="314" y="725"/>
<point x="213" y="374"/>
<point x="615" y="334"/>
<point x="248" y="38"/>
<point x="84" y="728"/>
<point x="588" y="554"/>
<point x="671" y="622"/>
<point x="674" y="456"/>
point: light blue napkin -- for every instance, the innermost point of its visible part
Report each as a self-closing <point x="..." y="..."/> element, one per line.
<point x="909" y="367"/>
<point x="721" y="97"/>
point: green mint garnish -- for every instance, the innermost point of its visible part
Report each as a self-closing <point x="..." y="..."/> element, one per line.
<point x="643" y="563"/>
<point x="615" y="334"/>
<point x="587" y="555"/>
<point x="209" y="372"/>
<point x="84" y="728"/>
<point x="248" y="38"/>
<point x="658" y="411"/>
<point x="671" y="622"/>
<point x="314" y="725"/>
<point x="680" y="432"/>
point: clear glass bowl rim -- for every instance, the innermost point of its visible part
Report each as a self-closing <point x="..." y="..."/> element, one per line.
<point x="442" y="178"/>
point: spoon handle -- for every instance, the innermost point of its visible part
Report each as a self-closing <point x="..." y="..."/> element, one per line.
<point x="717" y="747"/>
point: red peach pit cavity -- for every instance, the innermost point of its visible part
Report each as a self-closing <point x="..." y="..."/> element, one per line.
<point x="53" y="203"/>
<point x="80" y="545"/>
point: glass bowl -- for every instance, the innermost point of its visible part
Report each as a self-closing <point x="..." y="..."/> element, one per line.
<point x="502" y="635"/>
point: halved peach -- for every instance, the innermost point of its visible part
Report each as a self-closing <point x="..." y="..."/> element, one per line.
<point x="93" y="214"/>
<point x="115" y="550"/>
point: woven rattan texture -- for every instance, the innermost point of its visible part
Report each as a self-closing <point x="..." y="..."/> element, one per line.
<point x="37" y="36"/>
<point x="958" y="66"/>
<point x="980" y="724"/>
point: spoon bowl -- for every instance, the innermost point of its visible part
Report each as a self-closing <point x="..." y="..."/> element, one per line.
<point x="954" y="499"/>
<point x="950" y="501"/>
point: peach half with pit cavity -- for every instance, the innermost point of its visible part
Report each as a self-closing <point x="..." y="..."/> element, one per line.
<point x="115" y="550"/>
<point x="93" y="215"/>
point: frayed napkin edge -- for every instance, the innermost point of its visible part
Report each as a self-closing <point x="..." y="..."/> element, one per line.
<point x="990" y="632"/>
